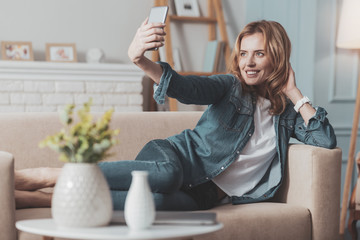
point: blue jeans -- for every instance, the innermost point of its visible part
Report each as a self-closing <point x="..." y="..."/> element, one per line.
<point x="162" y="162"/>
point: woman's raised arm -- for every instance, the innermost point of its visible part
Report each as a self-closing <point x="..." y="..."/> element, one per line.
<point x="147" y="36"/>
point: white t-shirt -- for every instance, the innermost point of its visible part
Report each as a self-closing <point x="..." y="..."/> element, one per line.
<point x="246" y="172"/>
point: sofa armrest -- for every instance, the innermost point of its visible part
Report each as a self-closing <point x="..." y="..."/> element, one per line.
<point x="312" y="180"/>
<point x="7" y="202"/>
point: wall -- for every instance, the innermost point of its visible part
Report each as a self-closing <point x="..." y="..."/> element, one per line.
<point x="109" y="25"/>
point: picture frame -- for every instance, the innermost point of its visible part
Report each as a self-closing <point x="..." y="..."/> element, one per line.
<point x="189" y="8"/>
<point x="61" y="52"/>
<point x="16" y="51"/>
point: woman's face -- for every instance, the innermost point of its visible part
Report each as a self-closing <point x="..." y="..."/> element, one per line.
<point x="254" y="64"/>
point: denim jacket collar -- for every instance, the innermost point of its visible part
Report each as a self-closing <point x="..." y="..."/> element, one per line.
<point x="246" y="103"/>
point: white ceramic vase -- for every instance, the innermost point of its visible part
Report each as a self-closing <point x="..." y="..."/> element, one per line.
<point x="81" y="197"/>
<point x="139" y="204"/>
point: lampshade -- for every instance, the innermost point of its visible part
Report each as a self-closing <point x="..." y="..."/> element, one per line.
<point x="349" y="25"/>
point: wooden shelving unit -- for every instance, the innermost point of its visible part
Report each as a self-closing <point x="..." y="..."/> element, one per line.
<point x="214" y="19"/>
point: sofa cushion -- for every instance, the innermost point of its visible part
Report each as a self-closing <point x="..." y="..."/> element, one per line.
<point x="32" y="213"/>
<point x="265" y="220"/>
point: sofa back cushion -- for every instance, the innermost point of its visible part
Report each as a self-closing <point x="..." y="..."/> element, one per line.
<point x="20" y="134"/>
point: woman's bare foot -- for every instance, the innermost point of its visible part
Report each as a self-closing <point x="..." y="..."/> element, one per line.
<point x="36" y="178"/>
<point x="29" y="199"/>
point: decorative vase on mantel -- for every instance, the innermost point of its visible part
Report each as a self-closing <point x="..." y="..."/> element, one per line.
<point x="81" y="197"/>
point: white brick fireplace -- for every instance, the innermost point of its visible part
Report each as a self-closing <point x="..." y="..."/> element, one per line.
<point x="48" y="86"/>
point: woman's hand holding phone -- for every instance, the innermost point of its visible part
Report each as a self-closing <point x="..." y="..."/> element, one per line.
<point x="147" y="36"/>
<point x="150" y="35"/>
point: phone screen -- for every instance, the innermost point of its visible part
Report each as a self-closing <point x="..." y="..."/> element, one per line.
<point x="158" y="14"/>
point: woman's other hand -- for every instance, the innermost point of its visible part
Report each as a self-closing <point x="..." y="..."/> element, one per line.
<point x="148" y="36"/>
<point x="294" y="94"/>
<point x="290" y="88"/>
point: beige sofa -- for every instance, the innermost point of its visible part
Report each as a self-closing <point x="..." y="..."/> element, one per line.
<point x="307" y="207"/>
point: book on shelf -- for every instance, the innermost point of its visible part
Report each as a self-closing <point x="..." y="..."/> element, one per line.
<point x="210" y="56"/>
<point x="220" y="65"/>
<point x="214" y="56"/>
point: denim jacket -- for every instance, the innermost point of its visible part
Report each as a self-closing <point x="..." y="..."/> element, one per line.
<point x="227" y="125"/>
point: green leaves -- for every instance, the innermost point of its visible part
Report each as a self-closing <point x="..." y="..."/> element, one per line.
<point x="85" y="141"/>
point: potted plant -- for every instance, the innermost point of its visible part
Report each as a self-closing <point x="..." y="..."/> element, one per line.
<point x="81" y="196"/>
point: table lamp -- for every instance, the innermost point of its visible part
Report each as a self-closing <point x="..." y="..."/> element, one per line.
<point x="349" y="37"/>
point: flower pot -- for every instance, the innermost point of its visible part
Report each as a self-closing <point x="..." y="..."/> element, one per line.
<point x="81" y="197"/>
<point x="139" y="204"/>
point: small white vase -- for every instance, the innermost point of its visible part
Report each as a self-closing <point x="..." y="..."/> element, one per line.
<point x="139" y="204"/>
<point x="81" y="197"/>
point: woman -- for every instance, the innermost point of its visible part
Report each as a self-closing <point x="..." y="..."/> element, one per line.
<point x="238" y="149"/>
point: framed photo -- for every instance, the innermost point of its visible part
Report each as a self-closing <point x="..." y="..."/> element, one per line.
<point x="61" y="52"/>
<point x="17" y="51"/>
<point x="187" y="8"/>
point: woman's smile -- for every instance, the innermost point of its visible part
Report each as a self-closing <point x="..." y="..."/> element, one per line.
<point x="252" y="73"/>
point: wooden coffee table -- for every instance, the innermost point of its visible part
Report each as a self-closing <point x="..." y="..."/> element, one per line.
<point x="48" y="229"/>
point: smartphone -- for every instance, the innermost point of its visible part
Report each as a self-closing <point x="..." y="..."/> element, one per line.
<point x="158" y="14"/>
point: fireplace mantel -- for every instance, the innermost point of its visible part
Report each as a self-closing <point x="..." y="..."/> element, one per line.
<point x="48" y="86"/>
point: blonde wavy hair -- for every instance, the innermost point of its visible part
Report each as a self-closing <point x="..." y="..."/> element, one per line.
<point x="278" y="48"/>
